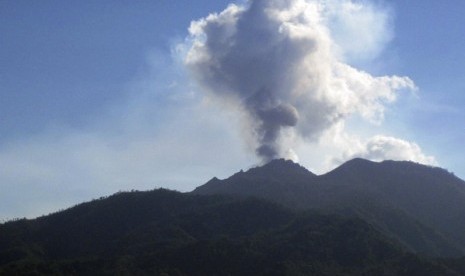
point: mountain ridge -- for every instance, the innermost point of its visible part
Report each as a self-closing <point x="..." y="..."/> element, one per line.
<point x="428" y="201"/>
<point x="163" y="232"/>
<point x="363" y="218"/>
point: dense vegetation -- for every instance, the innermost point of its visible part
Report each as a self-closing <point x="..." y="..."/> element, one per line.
<point x="421" y="207"/>
<point x="364" y="218"/>
<point x="168" y="233"/>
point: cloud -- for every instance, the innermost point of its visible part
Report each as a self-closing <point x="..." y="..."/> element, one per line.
<point x="361" y="30"/>
<point x="278" y="65"/>
<point x="379" y="148"/>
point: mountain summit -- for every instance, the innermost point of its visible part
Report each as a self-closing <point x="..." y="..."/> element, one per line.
<point x="279" y="180"/>
<point x="421" y="206"/>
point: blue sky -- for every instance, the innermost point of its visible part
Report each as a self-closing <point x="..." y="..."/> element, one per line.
<point x="428" y="44"/>
<point x="94" y="98"/>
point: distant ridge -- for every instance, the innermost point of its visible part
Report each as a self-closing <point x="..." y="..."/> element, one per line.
<point x="363" y="218"/>
<point x="421" y="206"/>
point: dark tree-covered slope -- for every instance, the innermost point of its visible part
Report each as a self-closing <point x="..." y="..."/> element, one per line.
<point x="168" y="233"/>
<point x="420" y="206"/>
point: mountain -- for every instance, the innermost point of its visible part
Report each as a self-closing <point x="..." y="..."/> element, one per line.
<point x="163" y="232"/>
<point x="363" y="218"/>
<point x="281" y="180"/>
<point x="421" y="207"/>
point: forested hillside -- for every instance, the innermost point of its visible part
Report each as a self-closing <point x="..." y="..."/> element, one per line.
<point x="169" y="233"/>
<point x="421" y="207"/>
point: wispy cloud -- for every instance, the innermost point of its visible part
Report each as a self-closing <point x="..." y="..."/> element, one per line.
<point x="159" y="135"/>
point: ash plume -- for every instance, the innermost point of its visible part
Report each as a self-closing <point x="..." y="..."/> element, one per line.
<point x="277" y="64"/>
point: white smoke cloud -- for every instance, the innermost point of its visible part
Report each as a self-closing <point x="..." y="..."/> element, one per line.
<point x="379" y="148"/>
<point x="277" y="64"/>
<point x="360" y="30"/>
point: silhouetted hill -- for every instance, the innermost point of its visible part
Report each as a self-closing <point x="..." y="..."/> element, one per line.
<point x="280" y="180"/>
<point x="432" y="196"/>
<point x="169" y="233"/>
<point x="363" y="218"/>
<point x="420" y="206"/>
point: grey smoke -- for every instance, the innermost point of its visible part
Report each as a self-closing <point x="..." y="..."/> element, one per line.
<point x="271" y="120"/>
<point x="274" y="60"/>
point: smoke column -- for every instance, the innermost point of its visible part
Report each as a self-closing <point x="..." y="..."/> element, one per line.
<point x="276" y="63"/>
